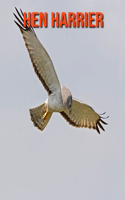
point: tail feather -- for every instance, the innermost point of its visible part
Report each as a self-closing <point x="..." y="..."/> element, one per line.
<point x="37" y="116"/>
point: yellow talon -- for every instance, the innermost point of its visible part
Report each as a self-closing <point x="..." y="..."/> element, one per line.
<point x="45" y="116"/>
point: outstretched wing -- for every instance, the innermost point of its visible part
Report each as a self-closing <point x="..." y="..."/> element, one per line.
<point x="39" y="57"/>
<point x="83" y="115"/>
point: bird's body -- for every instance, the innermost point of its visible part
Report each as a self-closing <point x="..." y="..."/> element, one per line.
<point x="57" y="102"/>
<point x="60" y="98"/>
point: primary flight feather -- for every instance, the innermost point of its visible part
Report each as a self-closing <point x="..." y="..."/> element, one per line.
<point x="60" y="98"/>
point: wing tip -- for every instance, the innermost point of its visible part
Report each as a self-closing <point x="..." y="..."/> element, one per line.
<point x="99" y="121"/>
<point x="20" y="22"/>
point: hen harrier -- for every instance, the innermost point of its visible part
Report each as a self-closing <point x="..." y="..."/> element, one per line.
<point x="60" y="99"/>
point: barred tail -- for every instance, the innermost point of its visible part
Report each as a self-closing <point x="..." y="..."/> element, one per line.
<point x="40" y="116"/>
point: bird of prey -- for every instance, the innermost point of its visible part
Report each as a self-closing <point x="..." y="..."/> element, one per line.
<point x="59" y="99"/>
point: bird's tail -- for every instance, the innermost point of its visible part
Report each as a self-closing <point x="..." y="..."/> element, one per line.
<point x="40" y="116"/>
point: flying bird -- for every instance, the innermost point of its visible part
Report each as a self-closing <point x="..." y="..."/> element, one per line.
<point x="59" y="99"/>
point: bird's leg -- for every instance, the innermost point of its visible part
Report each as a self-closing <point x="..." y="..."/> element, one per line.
<point x="45" y="116"/>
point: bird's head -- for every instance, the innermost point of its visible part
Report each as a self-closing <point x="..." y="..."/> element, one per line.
<point x="69" y="104"/>
<point x="67" y="98"/>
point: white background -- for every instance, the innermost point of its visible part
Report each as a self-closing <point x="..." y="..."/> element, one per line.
<point x="63" y="162"/>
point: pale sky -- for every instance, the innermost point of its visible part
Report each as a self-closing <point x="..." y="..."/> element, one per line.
<point x="63" y="162"/>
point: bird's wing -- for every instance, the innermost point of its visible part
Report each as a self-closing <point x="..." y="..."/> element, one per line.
<point x="39" y="57"/>
<point x="83" y="115"/>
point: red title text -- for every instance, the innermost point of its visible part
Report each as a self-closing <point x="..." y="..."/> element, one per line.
<point x="59" y="20"/>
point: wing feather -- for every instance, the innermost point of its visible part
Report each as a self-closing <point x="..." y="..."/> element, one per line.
<point x="40" y="59"/>
<point x="83" y="115"/>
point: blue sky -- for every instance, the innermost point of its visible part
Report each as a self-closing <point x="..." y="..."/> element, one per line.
<point x="63" y="162"/>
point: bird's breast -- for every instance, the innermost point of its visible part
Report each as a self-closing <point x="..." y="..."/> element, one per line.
<point x="55" y="103"/>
